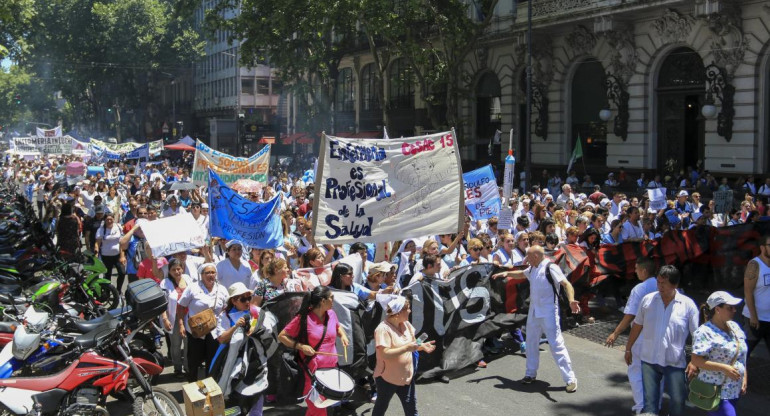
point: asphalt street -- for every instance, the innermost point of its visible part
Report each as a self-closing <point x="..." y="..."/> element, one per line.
<point x="603" y="389"/>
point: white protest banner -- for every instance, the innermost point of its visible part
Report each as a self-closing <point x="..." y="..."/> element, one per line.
<point x="78" y="147"/>
<point x="387" y="190"/>
<point x="141" y="152"/>
<point x="657" y="198"/>
<point x="24" y="145"/>
<point x="229" y="168"/>
<point x="54" y="145"/>
<point x="173" y="234"/>
<point x="54" y="132"/>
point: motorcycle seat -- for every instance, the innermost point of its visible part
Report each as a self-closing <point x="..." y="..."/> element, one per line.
<point x="86" y="326"/>
<point x="14" y="290"/>
<point x="97" y="336"/>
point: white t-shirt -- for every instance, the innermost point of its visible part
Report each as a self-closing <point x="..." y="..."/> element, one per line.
<point x="639" y="291"/>
<point x="542" y="299"/>
<point x="173" y="295"/>
<point x="631" y="231"/>
<point x="196" y="298"/>
<point x="110" y="240"/>
<point x="228" y="275"/>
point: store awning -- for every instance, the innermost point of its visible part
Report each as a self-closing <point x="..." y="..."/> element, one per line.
<point x="267" y="140"/>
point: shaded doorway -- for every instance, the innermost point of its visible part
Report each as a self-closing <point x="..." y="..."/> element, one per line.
<point x="680" y="95"/>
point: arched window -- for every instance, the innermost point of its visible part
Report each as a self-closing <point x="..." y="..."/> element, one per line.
<point x="369" y="90"/>
<point x="346" y="92"/>
<point x="401" y="85"/>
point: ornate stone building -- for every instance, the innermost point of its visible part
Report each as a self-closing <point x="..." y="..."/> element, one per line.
<point x="685" y="82"/>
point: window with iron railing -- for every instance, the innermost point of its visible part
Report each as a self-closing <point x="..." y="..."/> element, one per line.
<point x="401" y="85"/>
<point x="346" y="93"/>
<point x="370" y="100"/>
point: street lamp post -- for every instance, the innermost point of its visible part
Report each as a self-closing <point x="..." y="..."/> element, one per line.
<point x="528" y="180"/>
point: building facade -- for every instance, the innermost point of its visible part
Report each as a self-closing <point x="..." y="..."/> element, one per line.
<point x="645" y="84"/>
<point x="234" y="106"/>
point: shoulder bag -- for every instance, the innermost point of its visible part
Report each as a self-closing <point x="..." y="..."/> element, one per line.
<point x="707" y="396"/>
<point x="204" y="321"/>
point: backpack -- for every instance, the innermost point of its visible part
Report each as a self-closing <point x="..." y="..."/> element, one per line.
<point x="140" y="253"/>
<point x="567" y="319"/>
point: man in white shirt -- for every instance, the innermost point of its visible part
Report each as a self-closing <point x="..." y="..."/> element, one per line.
<point x="765" y="189"/>
<point x="543" y="316"/>
<point x="632" y="229"/>
<point x="566" y="195"/>
<point x="662" y="323"/>
<point x="645" y="271"/>
<point x="430" y="268"/>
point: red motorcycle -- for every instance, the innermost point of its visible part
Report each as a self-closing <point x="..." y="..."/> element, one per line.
<point x="85" y="377"/>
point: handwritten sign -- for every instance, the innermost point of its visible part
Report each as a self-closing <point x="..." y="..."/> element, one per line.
<point x="258" y="225"/>
<point x="386" y="190"/>
<point x="482" y="199"/>
<point x="173" y="234"/>
<point x="723" y="202"/>
<point x="657" y="198"/>
<point x="24" y="145"/>
<point x="229" y="168"/>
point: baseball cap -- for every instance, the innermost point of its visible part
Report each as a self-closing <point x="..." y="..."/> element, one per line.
<point x="683" y="193"/>
<point x="382" y="267"/>
<point x="721" y="297"/>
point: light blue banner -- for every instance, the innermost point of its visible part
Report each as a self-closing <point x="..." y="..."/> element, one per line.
<point x="482" y="198"/>
<point x="257" y="225"/>
<point x="141" y="152"/>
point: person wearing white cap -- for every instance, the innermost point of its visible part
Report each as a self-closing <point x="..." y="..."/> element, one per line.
<point x="395" y="343"/>
<point x="719" y="350"/>
<point x="663" y="321"/>
<point x="233" y="268"/>
<point x="756" y="289"/>
<point x="683" y="207"/>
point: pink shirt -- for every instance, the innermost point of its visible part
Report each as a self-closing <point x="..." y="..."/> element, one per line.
<point x="315" y="327"/>
<point x="145" y="268"/>
<point x="398" y="369"/>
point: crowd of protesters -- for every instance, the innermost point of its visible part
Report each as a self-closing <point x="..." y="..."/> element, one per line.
<point x="104" y="213"/>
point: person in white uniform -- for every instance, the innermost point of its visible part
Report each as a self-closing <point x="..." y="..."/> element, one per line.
<point x="645" y="271"/>
<point x="756" y="288"/>
<point x="233" y="268"/>
<point x="543" y="316"/>
<point x="664" y="320"/>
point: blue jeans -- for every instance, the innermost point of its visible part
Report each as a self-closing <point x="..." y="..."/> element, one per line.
<point x="674" y="383"/>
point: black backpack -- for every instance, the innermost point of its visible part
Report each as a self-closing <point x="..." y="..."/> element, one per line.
<point x="567" y="319"/>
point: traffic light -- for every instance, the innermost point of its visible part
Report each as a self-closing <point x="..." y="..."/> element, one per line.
<point x="18" y="99"/>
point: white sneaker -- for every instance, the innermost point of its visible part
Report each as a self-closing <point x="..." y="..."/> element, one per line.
<point x="572" y="387"/>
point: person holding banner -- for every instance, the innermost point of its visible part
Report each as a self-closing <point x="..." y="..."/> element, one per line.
<point x="313" y="332"/>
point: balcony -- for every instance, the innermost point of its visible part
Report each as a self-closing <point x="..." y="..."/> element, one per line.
<point x="544" y="11"/>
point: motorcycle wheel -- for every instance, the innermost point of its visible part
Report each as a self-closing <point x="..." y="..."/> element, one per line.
<point x="144" y="405"/>
<point x="109" y="298"/>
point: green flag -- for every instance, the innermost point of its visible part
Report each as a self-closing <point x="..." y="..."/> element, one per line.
<point x="577" y="153"/>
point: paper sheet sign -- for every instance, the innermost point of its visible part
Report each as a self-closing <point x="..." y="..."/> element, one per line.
<point x="173" y="234"/>
<point x="657" y="198"/>
<point x="386" y="190"/>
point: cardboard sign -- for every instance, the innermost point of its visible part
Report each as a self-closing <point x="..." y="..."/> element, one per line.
<point x="386" y="190"/>
<point x="723" y="202"/>
<point x="173" y="234"/>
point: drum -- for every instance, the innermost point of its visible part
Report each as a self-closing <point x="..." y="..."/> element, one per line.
<point x="334" y="383"/>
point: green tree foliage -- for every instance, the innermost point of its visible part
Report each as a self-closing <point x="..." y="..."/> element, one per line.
<point x="304" y="39"/>
<point x="15" y="17"/>
<point x="435" y="37"/>
<point x="13" y="82"/>
<point x="108" y="56"/>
